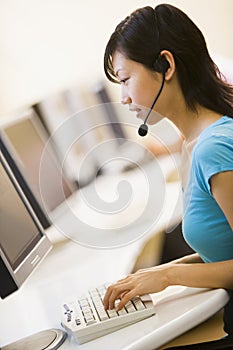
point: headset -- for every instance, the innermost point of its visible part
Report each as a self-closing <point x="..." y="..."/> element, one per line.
<point x="161" y="66"/>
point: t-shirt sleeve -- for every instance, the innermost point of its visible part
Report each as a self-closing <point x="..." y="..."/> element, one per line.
<point x="212" y="156"/>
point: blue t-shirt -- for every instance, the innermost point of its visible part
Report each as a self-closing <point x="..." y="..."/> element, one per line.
<point x="205" y="227"/>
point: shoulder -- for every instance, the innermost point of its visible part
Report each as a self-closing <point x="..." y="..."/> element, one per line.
<point x="216" y="141"/>
<point x="213" y="154"/>
<point x="214" y="146"/>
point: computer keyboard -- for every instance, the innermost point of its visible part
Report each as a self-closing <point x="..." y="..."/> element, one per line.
<point x="87" y="319"/>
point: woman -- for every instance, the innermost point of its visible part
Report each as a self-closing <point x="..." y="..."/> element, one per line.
<point x="162" y="49"/>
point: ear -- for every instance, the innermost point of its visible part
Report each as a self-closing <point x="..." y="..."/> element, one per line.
<point x="172" y="66"/>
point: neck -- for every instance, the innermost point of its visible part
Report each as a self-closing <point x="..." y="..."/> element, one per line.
<point x="191" y="123"/>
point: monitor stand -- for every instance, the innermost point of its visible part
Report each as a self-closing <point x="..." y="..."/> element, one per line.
<point x="50" y="339"/>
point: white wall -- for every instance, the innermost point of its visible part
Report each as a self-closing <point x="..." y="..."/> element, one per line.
<point x="47" y="45"/>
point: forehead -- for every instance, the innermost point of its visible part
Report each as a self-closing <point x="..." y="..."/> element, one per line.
<point x="121" y="62"/>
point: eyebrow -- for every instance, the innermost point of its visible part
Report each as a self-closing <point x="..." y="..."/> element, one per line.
<point x="118" y="70"/>
<point x="116" y="73"/>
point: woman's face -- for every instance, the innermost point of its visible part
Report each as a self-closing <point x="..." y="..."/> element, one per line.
<point x="139" y="86"/>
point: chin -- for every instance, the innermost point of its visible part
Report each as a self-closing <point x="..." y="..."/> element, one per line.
<point x="154" y="119"/>
<point x="141" y="116"/>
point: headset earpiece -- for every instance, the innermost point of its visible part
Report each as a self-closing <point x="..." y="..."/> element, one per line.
<point x="161" y="64"/>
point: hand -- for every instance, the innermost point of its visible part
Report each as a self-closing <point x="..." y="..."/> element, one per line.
<point x="144" y="281"/>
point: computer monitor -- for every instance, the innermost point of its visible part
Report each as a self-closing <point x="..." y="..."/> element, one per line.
<point x="110" y="112"/>
<point x="23" y="245"/>
<point x="26" y="141"/>
<point x="41" y="215"/>
<point x="70" y="123"/>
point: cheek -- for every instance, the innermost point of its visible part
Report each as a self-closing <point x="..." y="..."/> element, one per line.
<point x="142" y="96"/>
<point x="160" y="108"/>
<point x="163" y="104"/>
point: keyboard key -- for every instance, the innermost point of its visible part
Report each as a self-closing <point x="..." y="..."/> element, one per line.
<point x="87" y="319"/>
<point x="138" y="304"/>
<point x="83" y="302"/>
<point x="112" y="313"/>
<point x="103" y="315"/>
<point x="130" y="307"/>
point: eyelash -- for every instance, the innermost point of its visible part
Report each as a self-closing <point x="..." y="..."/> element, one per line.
<point x="123" y="81"/>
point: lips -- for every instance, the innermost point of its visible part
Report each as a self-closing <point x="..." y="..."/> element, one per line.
<point x="134" y="109"/>
<point x="137" y="110"/>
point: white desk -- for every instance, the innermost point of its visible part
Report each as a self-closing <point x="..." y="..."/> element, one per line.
<point x="70" y="269"/>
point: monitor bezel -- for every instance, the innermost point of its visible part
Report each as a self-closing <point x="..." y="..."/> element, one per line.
<point x="38" y="251"/>
<point x="15" y="168"/>
<point x="31" y="115"/>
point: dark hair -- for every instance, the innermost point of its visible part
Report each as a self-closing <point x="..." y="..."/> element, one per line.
<point x="147" y="31"/>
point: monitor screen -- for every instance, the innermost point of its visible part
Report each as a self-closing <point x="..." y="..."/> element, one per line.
<point x="26" y="141"/>
<point x="23" y="243"/>
<point x="66" y="117"/>
<point x="110" y="113"/>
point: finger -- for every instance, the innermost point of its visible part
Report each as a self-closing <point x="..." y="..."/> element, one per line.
<point x="108" y="300"/>
<point x="126" y="298"/>
<point x="107" y="296"/>
<point x="113" y="292"/>
<point x="116" y="293"/>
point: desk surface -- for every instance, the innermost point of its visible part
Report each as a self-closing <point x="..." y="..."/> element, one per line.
<point x="69" y="270"/>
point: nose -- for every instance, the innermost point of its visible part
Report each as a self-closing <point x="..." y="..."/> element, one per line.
<point x="125" y="99"/>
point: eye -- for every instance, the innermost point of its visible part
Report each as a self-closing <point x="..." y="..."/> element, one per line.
<point x="123" y="81"/>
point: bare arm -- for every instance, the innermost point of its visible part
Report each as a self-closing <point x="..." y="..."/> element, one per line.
<point x="156" y="279"/>
<point x="188" y="259"/>
<point x="211" y="275"/>
<point x="187" y="271"/>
